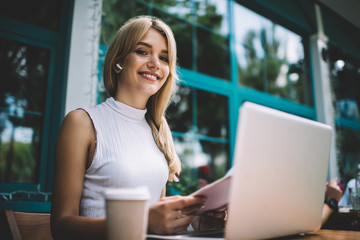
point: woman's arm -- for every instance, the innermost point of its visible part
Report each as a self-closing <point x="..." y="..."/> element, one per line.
<point x="74" y="151"/>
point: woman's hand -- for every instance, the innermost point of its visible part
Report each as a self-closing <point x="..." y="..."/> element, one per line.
<point x="173" y="214"/>
<point x="210" y="220"/>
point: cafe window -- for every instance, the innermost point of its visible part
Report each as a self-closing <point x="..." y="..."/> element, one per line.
<point x="345" y="79"/>
<point x="270" y="58"/>
<point x="22" y="107"/>
<point x="32" y="94"/>
<point x="200" y="126"/>
<point x="348" y="141"/>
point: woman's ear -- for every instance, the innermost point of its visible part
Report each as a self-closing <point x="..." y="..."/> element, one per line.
<point x="117" y="66"/>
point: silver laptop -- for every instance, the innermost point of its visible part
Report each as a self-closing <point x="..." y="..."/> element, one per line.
<point x="278" y="177"/>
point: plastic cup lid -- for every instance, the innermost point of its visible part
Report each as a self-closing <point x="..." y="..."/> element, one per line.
<point x="138" y="193"/>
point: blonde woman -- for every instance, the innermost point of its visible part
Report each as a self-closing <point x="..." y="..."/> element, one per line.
<point x="123" y="142"/>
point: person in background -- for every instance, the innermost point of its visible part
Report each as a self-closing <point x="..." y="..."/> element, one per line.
<point x="333" y="194"/>
<point x="345" y="199"/>
<point x="123" y="142"/>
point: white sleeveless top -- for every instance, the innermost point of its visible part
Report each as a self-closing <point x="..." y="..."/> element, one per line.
<point x="126" y="155"/>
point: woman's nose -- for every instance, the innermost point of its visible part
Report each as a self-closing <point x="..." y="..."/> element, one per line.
<point x="154" y="62"/>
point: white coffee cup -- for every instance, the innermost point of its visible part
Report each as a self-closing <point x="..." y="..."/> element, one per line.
<point x="126" y="213"/>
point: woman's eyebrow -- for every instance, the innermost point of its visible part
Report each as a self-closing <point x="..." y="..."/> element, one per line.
<point x="144" y="44"/>
<point x="149" y="46"/>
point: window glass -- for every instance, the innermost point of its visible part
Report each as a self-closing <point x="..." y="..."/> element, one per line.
<point x="180" y="111"/>
<point x="345" y="79"/>
<point x="251" y="71"/>
<point x="199" y="122"/>
<point x="211" y="14"/>
<point x="345" y="75"/>
<point x="212" y="114"/>
<point x="219" y="164"/>
<point x="24" y="74"/>
<point x="42" y="13"/>
<point x="213" y="54"/>
<point x="115" y="14"/>
<point x="203" y="162"/>
<point x="270" y="58"/>
<point x="348" y="142"/>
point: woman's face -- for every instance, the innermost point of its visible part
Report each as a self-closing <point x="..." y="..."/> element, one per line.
<point x="145" y="69"/>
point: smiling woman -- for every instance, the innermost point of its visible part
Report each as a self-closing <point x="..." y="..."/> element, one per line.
<point x="145" y="70"/>
<point x="124" y="142"/>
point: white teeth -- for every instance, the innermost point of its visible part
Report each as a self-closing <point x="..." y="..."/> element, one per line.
<point x="150" y="76"/>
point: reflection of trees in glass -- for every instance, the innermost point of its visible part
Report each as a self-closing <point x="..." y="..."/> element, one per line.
<point x="271" y="72"/>
<point x="348" y="142"/>
<point x="345" y="79"/>
<point x="115" y="14"/>
<point x="200" y="12"/>
<point x="201" y="119"/>
<point x="261" y="73"/>
<point x="179" y="113"/>
<point x="22" y="103"/>
<point x="213" y="55"/>
<point x="219" y="155"/>
<point x="212" y="114"/>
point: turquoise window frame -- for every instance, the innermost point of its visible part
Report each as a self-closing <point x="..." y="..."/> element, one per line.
<point x="19" y="37"/>
<point x="238" y="94"/>
<point x="58" y="44"/>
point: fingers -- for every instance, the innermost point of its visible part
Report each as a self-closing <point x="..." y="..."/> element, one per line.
<point x="188" y="205"/>
<point x="333" y="183"/>
<point x="172" y="214"/>
<point x="192" y="210"/>
<point x="333" y="190"/>
<point x="181" y="202"/>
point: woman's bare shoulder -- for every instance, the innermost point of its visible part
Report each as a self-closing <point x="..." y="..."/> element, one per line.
<point x="78" y="117"/>
<point x="78" y="121"/>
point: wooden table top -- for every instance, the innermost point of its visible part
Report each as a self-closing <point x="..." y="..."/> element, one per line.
<point x="326" y="234"/>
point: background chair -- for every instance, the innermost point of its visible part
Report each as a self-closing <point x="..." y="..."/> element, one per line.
<point x="25" y="226"/>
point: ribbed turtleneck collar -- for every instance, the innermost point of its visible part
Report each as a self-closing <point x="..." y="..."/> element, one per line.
<point x="126" y="111"/>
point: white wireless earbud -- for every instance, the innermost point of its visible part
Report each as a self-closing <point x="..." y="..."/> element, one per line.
<point x="119" y="67"/>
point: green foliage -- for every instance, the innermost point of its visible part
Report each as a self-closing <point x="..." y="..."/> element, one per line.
<point x="23" y="164"/>
<point x="261" y="73"/>
<point x="184" y="187"/>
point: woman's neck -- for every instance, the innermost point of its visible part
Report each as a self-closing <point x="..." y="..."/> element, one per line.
<point x="138" y="102"/>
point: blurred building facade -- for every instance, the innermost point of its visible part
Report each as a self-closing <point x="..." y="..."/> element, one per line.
<point x="300" y="57"/>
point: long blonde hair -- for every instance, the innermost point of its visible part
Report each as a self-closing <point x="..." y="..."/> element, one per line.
<point x="122" y="44"/>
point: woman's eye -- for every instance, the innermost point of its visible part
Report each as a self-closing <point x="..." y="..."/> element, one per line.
<point x="142" y="52"/>
<point x="165" y="59"/>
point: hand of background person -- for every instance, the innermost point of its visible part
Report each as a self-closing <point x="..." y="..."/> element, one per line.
<point x="173" y="214"/>
<point x="210" y="220"/>
<point x="333" y="190"/>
